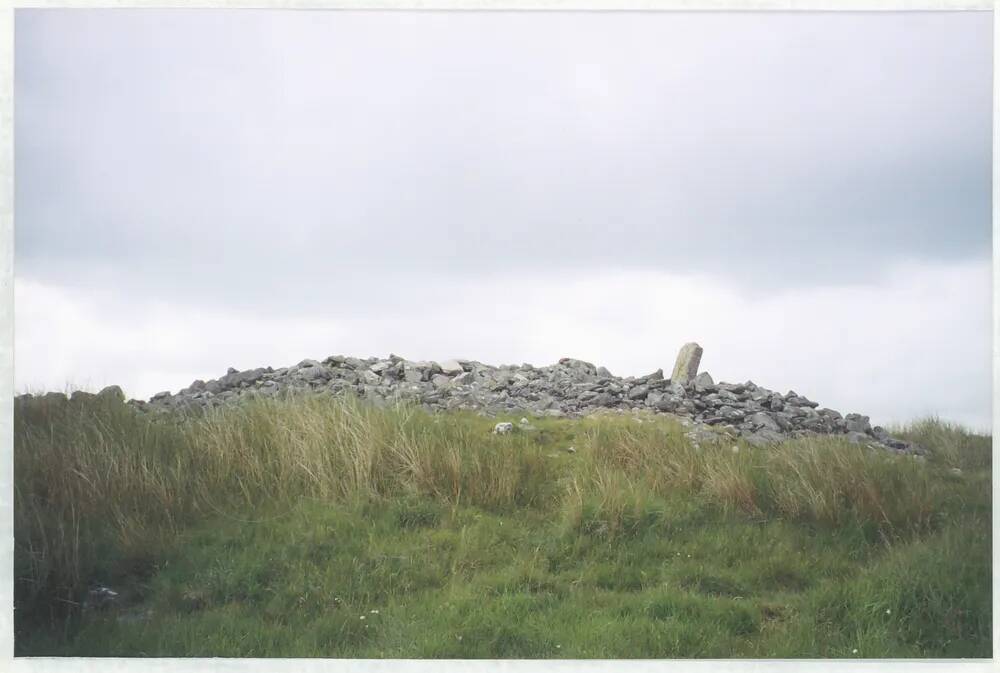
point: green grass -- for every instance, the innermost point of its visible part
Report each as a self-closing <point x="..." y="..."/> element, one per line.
<point x="318" y="527"/>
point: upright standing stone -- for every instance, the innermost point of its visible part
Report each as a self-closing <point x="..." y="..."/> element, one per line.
<point x="686" y="367"/>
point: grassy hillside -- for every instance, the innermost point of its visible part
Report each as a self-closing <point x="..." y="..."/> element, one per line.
<point x="323" y="527"/>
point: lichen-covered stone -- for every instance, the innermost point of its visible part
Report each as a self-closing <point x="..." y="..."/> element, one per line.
<point x="686" y="366"/>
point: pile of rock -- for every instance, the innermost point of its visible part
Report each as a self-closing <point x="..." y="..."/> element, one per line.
<point x="568" y="388"/>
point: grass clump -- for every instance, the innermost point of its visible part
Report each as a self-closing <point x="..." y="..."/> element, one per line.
<point x="821" y="480"/>
<point x="949" y="444"/>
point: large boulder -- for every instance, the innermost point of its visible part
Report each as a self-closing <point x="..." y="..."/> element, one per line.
<point x="686" y="365"/>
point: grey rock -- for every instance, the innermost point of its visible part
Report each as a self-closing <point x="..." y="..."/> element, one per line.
<point x="312" y="373"/>
<point x="815" y="424"/>
<point x="441" y="380"/>
<point x="858" y="437"/>
<point x="783" y="420"/>
<point x="664" y="403"/>
<point x="638" y="392"/>
<point x="703" y="382"/>
<point x="578" y="366"/>
<point x="762" y="420"/>
<point x="464" y="378"/>
<point x="897" y="444"/>
<point x="857" y="423"/>
<point x="765" y="437"/>
<point x="686" y="365"/>
<point x="676" y="389"/>
<point x="451" y="367"/>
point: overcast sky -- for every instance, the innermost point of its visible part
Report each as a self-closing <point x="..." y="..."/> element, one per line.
<point x="807" y="195"/>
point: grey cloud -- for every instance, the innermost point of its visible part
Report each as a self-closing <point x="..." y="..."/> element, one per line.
<point x="217" y="156"/>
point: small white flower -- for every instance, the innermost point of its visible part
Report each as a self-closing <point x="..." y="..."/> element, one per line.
<point x="374" y="612"/>
<point x="558" y="646"/>
<point x="854" y="651"/>
<point x="362" y="616"/>
<point x="888" y="611"/>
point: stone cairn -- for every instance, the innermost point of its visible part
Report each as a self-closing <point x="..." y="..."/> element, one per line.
<point x="711" y="411"/>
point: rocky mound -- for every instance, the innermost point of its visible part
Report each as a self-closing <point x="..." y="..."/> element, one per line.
<point x="567" y="388"/>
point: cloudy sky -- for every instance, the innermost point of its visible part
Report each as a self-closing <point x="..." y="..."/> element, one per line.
<point x="807" y="195"/>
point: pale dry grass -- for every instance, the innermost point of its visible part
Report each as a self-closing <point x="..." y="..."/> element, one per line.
<point x="822" y="479"/>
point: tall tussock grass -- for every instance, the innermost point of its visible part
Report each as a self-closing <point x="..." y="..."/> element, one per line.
<point x="95" y="475"/>
<point x="822" y="480"/>
<point x="343" y="449"/>
<point x="88" y="476"/>
<point x="951" y="444"/>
